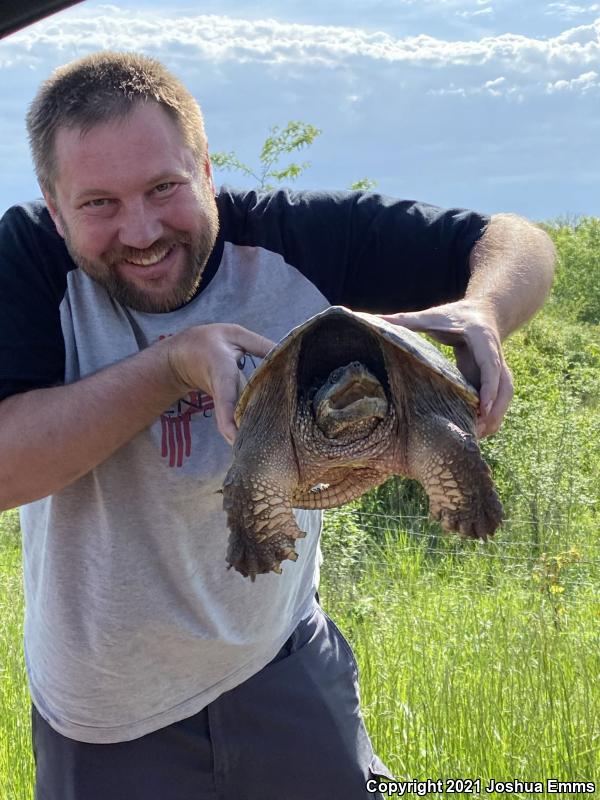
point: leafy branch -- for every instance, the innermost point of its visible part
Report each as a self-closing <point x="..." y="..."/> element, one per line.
<point x="279" y="143"/>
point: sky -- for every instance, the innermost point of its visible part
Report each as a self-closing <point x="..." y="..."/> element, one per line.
<point x="485" y="104"/>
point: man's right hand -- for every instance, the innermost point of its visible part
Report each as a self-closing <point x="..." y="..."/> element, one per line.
<point x="206" y="357"/>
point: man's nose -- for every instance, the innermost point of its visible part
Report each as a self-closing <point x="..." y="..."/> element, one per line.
<point x="140" y="225"/>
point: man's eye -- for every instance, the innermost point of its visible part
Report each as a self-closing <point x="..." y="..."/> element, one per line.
<point x="99" y="202"/>
<point x="161" y="188"/>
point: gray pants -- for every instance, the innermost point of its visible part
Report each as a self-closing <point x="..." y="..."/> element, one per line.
<point x="291" y="732"/>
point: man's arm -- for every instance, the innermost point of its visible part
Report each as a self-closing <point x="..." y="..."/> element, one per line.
<point x="51" y="437"/>
<point x="512" y="267"/>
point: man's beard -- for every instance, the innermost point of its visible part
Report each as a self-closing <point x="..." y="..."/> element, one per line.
<point x="196" y="252"/>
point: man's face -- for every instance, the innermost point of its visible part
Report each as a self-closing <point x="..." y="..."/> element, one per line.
<point x="136" y="210"/>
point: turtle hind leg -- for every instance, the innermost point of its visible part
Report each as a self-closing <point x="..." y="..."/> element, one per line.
<point x="447" y="461"/>
<point x="262" y="527"/>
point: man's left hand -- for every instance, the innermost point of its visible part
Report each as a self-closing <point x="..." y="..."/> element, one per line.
<point x="472" y="331"/>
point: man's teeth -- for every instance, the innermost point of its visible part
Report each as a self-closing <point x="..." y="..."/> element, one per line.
<point x="148" y="261"/>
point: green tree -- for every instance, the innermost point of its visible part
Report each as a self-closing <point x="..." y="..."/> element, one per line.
<point x="279" y="143"/>
<point x="576" y="290"/>
<point x="363" y="185"/>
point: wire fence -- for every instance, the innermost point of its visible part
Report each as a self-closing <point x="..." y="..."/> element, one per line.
<point x="544" y="556"/>
<point x="386" y="536"/>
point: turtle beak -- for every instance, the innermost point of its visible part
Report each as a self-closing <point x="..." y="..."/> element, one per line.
<point x="349" y="395"/>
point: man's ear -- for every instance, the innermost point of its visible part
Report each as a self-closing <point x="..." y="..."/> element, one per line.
<point x="53" y="211"/>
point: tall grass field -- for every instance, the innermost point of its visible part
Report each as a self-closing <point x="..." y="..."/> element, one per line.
<point x="479" y="662"/>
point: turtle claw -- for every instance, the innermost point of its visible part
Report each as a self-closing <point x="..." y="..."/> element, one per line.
<point x="251" y="558"/>
<point x="258" y="546"/>
<point x="262" y="527"/>
<point x="467" y="524"/>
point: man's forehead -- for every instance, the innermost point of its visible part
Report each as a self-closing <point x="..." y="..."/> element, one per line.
<point x="144" y="123"/>
<point x="145" y="141"/>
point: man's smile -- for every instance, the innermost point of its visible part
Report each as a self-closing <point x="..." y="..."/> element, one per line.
<point x="152" y="266"/>
<point x="150" y="258"/>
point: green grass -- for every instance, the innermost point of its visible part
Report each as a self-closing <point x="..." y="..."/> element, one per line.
<point x="16" y="762"/>
<point x="473" y="665"/>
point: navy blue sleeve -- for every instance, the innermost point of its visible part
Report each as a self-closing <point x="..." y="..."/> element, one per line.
<point x="362" y="250"/>
<point x="32" y="284"/>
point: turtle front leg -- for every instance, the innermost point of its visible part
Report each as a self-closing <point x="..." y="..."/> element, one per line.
<point x="262" y="527"/>
<point x="257" y="498"/>
<point x="448" y="462"/>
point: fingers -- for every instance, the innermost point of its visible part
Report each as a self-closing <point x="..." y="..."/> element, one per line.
<point x="206" y="357"/>
<point x="409" y="319"/>
<point x="487" y="354"/>
<point x="226" y="392"/>
<point x="495" y="380"/>
<point x="446" y="327"/>
<point x="490" y="422"/>
<point x="248" y="341"/>
<point x="228" y="379"/>
<point x="483" y="365"/>
<point x="478" y="350"/>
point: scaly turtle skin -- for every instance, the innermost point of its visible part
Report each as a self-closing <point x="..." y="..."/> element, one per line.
<point x="341" y="403"/>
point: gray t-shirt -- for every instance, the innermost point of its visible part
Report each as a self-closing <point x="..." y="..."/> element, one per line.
<point x="133" y="620"/>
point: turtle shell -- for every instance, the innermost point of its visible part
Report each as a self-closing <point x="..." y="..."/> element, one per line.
<point x="410" y="342"/>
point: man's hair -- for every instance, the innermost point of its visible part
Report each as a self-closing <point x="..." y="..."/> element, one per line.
<point x="101" y="88"/>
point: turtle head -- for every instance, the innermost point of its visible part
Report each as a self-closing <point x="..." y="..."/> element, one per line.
<point x="351" y="399"/>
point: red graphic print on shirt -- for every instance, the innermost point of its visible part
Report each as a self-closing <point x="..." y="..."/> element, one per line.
<point x="176" y="439"/>
<point x="176" y="443"/>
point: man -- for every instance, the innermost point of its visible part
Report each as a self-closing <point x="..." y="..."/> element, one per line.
<point x="129" y="301"/>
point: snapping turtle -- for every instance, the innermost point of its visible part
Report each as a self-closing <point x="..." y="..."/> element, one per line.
<point x="341" y="403"/>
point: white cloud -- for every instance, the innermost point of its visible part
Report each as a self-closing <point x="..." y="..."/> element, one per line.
<point x="498" y="87"/>
<point x="495" y="87"/>
<point x="221" y="39"/>
<point x="494" y="83"/>
<point x="217" y="45"/>
<point x="438" y="67"/>
<point x="479" y="12"/>
<point x="443" y="4"/>
<point x="570" y="10"/>
<point x="584" y="83"/>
